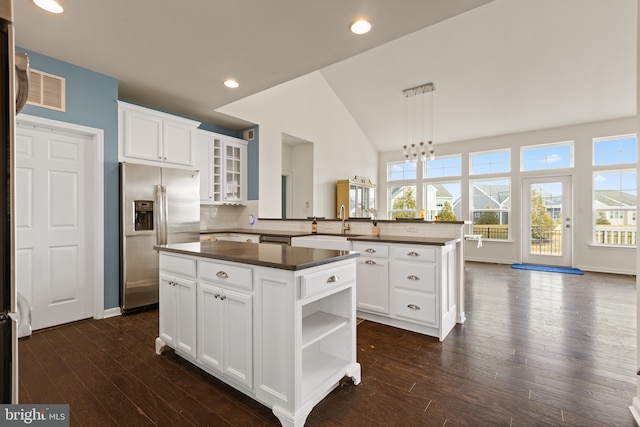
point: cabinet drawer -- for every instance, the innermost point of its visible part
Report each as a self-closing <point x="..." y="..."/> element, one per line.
<point x="226" y="274"/>
<point x="178" y="265"/>
<point x="321" y="281"/>
<point x="419" y="276"/>
<point x="371" y="250"/>
<point x="418" y="306"/>
<point x="415" y="253"/>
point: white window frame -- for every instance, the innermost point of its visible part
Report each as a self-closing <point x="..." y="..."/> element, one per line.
<point x="441" y="181"/>
<point x="492" y="172"/>
<point x="608" y="139"/>
<point x="425" y="168"/>
<point x="473" y="209"/>
<point x="525" y="148"/>
<point x="627" y="232"/>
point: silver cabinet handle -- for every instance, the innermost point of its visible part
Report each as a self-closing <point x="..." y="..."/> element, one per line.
<point x="370" y="262"/>
<point x="222" y="275"/>
<point x="413" y="277"/>
<point x="222" y="297"/>
<point x="413" y="307"/>
<point x="216" y="296"/>
<point x="370" y="251"/>
<point x="412" y="253"/>
<point x="333" y="279"/>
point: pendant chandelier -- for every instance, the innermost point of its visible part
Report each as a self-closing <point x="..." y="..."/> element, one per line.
<point x="416" y="147"/>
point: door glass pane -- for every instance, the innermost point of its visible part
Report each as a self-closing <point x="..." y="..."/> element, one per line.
<point x="546" y="219"/>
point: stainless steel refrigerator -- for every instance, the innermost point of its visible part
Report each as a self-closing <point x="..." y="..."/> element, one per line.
<point x="13" y="96"/>
<point x="157" y="206"/>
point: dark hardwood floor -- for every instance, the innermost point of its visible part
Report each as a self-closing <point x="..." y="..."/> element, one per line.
<point x="537" y="349"/>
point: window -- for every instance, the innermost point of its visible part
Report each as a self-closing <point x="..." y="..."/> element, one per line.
<point x="491" y="204"/>
<point x="443" y="166"/>
<point x="402" y="171"/>
<point x="549" y="156"/>
<point x="615" y="150"/>
<point x="490" y="162"/>
<point x="402" y="199"/>
<point x="614" y="207"/>
<point x="442" y="200"/>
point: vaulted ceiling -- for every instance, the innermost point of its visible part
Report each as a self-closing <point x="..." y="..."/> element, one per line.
<point x="499" y="66"/>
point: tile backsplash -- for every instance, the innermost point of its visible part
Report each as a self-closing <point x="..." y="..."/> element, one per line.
<point x="226" y="217"/>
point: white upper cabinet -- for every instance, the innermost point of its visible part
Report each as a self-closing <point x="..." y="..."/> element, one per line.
<point x="152" y="137"/>
<point x="222" y="162"/>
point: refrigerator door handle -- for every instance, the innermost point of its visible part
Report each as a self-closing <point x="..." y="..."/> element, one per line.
<point x="165" y="215"/>
<point x="159" y="211"/>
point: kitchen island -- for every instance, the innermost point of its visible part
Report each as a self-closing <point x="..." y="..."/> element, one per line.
<point x="275" y="322"/>
<point x="410" y="282"/>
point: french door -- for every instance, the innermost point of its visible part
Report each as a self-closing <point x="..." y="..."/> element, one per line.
<point x="547" y="221"/>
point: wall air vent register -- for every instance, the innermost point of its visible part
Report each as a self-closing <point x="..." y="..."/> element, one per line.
<point x="46" y="90"/>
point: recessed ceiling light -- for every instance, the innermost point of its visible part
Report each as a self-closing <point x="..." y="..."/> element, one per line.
<point x="49" y="5"/>
<point x="361" y="26"/>
<point x="231" y="83"/>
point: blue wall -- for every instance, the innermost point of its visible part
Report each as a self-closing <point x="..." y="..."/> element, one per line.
<point x="91" y="101"/>
<point x="253" y="155"/>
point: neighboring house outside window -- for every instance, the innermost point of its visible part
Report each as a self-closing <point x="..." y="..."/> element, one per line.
<point x="614" y="191"/>
<point x="491" y="197"/>
<point x="401" y="189"/>
<point x="491" y="206"/>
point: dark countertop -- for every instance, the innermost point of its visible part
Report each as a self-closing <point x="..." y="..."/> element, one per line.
<point x="283" y="233"/>
<point x="418" y="240"/>
<point x="415" y="240"/>
<point x="265" y="255"/>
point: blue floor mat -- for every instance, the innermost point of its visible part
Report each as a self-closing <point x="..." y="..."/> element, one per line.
<point x="547" y="268"/>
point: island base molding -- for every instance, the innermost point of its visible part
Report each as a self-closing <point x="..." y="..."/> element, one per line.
<point x="438" y="332"/>
<point x="286" y="418"/>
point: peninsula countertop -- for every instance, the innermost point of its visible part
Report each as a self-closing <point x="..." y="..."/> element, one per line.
<point x="413" y="240"/>
<point x="274" y="256"/>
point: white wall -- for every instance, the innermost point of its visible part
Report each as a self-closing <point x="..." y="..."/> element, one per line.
<point x="585" y="255"/>
<point x="309" y="109"/>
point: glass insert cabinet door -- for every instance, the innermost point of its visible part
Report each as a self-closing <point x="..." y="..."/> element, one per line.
<point x="228" y="171"/>
<point x="233" y="168"/>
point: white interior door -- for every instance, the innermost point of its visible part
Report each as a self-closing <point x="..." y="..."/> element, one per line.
<point x="53" y="224"/>
<point x="547" y="221"/>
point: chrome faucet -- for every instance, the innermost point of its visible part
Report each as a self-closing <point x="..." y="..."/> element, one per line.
<point x="343" y="216"/>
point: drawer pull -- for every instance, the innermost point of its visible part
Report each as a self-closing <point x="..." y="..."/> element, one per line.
<point x="414" y="307"/>
<point x="370" y="262"/>
<point x="216" y="296"/>
<point x="370" y="251"/>
<point x="222" y="275"/>
<point x="413" y="277"/>
<point x="412" y="253"/>
<point x="333" y="279"/>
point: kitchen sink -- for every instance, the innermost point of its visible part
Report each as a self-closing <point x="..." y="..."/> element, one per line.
<point x="322" y="241"/>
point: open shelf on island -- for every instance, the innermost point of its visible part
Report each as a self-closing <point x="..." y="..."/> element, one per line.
<point x="319" y="370"/>
<point x="319" y="325"/>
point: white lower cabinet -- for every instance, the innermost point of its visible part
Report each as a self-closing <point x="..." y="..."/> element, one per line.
<point x="418" y="286"/>
<point x="285" y="338"/>
<point x="225" y="332"/>
<point x="305" y="336"/>
<point x="373" y="277"/>
<point x="178" y="313"/>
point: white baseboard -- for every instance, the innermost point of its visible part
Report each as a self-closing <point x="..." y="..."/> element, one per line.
<point x="111" y="312"/>
<point x="635" y="410"/>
